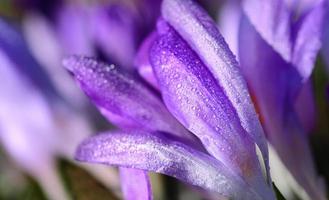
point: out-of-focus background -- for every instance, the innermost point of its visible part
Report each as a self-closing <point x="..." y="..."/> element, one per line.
<point x="53" y="29"/>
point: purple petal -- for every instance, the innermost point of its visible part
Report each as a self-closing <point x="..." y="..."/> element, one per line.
<point x="308" y="40"/>
<point x="202" y="35"/>
<point x="271" y="80"/>
<point x="271" y="18"/>
<point x="291" y="143"/>
<point x="305" y="107"/>
<point x="122" y="97"/>
<point x="158" y="153"/>
<point x="196" y="99"/>
<point x="30" y="141"/>
<point x="229" y="22"/>
<point x="114" y="30"/>
<point x="135" y="184"/>
<point x="72" y="28"/>
<point x="142" y="61"/>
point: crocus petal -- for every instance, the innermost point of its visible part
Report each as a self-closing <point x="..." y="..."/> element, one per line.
<point x="293" y="148"/>
<point x="202" y="35"/>
<point x="229" y="23"/>
<point x="135" y="184"/>
<point x="122" y="97"/>
<point x="161" y="154"/>
<point x="270" y="79"/>
<point x="196" y="99"/>
<point x="308" y="40"/>
<point x="73" y="31"/>
<point x="305" y="107"/>
<point x="271" y="18"/>
<point x="114" y="30"/>
<point x="142" y="61"/>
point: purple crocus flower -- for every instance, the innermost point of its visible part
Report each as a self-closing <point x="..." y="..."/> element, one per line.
<point x="283" y="41"/>
<point x="204" y="95"/>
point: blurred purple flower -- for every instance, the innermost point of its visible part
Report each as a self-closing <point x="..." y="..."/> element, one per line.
<point x="37" y="123"/>
<point x="278" y="44"/>
<point x="204" y="92"/>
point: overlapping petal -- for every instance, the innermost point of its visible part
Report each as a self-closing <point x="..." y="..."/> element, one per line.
<point x="196" y="99"/>
<point x="308" y="40"/>
<point x="229" y="23"/>
<point x="114" y="29"/>
<point x="272" y="20"/>
<point x="296" y="41"/>
<point x="122" y="97"/>
<point x="73" y="29"/>
<point x="162" y="154"/>
<point x="135" y="184"/>
<point x="202" y="35"/>
<point x="142" y="60"/>
<point x="272" y="80"/>
<point x="305" y="107"/>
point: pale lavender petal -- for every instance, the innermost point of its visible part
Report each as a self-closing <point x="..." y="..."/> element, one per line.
<point x="202" y="35"/>
<point x="271" y="81"/>
<point x="195" y="98"/>
<point x="305" y="107"/>
<point x="114" y="30"/>
<point x="26" y="126"/>
<point x="135" y="184"/>
<point x="229" y="22"/>
<point x="46" y="48"/>
<point x="272" y="20"/>
<point x="308" y="40"/>
<point x="161" y="154"/>
<point x="122" y="97"/>
<point x="142" y="60"/>
<point x="73" y="31"/>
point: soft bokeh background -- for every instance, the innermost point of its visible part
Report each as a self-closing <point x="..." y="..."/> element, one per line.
<point x="80" y="184"/>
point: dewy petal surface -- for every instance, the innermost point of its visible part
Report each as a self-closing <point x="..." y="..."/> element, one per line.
<point x="202" y="35"/>
<point x="195" y="98"/>
<point x="122" y="97"/>
<point x="135" y="184"/>
<point x="158" y="153"/>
